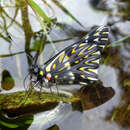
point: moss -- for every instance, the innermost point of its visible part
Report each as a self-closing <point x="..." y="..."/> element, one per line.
<point x="122" y="115"/>
<point x="14" y="104"/>
<point x="88" y="97"/>
<point x="126" y="83"/>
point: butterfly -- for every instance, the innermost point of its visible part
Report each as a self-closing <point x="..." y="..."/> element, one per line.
<point x="75" y="64"/>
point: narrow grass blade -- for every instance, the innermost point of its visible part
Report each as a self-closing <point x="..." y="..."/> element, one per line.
<point x="119" y="42"/>
<point x="38" y="10"/>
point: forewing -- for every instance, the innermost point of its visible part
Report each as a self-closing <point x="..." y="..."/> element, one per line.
<point x="79" y="63"/>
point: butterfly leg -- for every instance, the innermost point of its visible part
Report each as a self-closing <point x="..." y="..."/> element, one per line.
<point x="40" y="86"/>
<point x="39" y="93"/>
<point x="51" y="90"/>
<point x="57" y="90"/>
<point x="60" y="95"/>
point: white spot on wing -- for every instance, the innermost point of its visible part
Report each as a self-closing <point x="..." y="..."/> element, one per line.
<point x="91" y="78"/>
<point x="100" y="28"/>
<point x="93" y="70"/>
<point x="83" y="83"/>
<point x="96" y="40"/>
<point x="102" y="46"/>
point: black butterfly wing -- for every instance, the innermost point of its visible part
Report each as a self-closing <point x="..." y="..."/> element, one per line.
<point x="79" y="63"/>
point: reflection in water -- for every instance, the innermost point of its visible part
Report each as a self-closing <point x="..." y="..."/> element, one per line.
<point x="47" y="119"/>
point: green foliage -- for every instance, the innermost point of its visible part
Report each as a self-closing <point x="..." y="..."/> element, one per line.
<point x="8" y="125"/>
<point x="38" y="10"/>
<point x="126" y="83"/>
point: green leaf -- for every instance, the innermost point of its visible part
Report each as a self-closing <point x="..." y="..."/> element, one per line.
<point x="36" y="45"/>
<point x="9" y="125"/>
<point x="38" y="10"/>
<point x="28" y="122"/>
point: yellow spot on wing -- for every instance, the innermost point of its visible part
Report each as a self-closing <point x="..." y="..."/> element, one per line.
<point x="105" y="32"/>
<point x="96" y="53"/>
<point x="82" y="44"/>
<point x="73" y="51"/>
<point x="81" y="59"/>
<point x="82" y="76"/>
<point x="86" y="62"/>
<point x="95" y="61"/>
<point x="48" y="68"/>
<point x="41" y="72"/>
<point x="54" y="66"/>
<point x="82" y="68"/>
<point x="86" y="56"/>
<point x="91" y="47"/>
<point x="56" y="76"/>
<point x="61" y="57"/>
<point x="65" y="77"/>
<point x="96" y="34"/>
<point x="71" y="74"/>
<point x="105" y="39"/>
<point x="70" y="82"/>
<point x="77" y="61"/>
<point x="66" y="65"/>
<point x="66" y="57"/>
<point x="90" y="69"/>
<point x="62" y="68"/>
<point x="80" y="53"/>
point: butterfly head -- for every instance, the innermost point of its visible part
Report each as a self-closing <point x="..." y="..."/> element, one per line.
<point x="34" y="70"/>
<point x="37" y="74"/>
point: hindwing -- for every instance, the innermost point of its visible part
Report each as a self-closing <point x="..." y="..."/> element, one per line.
<point x="79" y="62"/>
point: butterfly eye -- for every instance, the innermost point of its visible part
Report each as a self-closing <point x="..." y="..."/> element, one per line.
<point x="34" y="69"/>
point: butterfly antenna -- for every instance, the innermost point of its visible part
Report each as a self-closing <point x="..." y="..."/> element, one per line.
<point x="29" y="56"/>
<point x="39" y="92"/>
